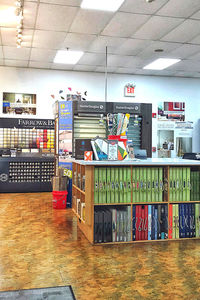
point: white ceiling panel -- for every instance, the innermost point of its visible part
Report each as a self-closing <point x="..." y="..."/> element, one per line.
<point x="55" y="17"/>
<point x="1" y="62"/>
<point x="124" y="24"/>
<point x="90" y="21"/>
<point x="62" y="67"/>
<point x="196" y="15"/>
<point x="196" y="40"/>
<point x="16" y="63"/>
<point x="184" y="32"/>
<point x="141" y="7"/>
<point x="195" y="57"/>
<point x="187" y="74"/>
<point x="9" y="37"/>
<point x="125" y="70"/>
<point x="186" y="65"/>
<point x="157" y="27"/>
<point x="92" y="59"/>
<point x="7" y="14"/>
<point x="84" y="68"/>
<point x="179" y="8"/>
<point x="63" y="2"/>
<point x="100" y="43"/>
<point x="185" y="51"/>
<point x="103" y="70"/>
<point x="40" y="64"/>
<point x="48" y="39"/>
<point x="123" y="61"/>
<point x="44" y="55"/>
<point x="30" y="11"/>
<point x="132" y="47"/>
<point x="16" y="53"/>
<point x="149" y="51"/>
<point x="78" y="41"/>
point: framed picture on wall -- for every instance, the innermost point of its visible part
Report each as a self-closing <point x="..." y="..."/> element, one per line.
<point x="19" y="104"/>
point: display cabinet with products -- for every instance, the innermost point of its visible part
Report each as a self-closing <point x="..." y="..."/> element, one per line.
<point x="135" y="201"/>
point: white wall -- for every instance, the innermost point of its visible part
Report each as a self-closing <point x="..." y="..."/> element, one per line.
<point x="149" y="89"/>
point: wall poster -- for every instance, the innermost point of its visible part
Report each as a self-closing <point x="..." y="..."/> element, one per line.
<point x="19" y="104"/>
<point x="171" y="111"/>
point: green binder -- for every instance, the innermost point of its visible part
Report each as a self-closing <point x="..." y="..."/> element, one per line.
<point x="129" y="185"/>
<point x="170" y="185"/>
<point x="153" y="184"/>
<point x="108" y="185"/>
<point x="141" y="185"/>
<point x="192" y="186"/>
<point x="177" y="221"/>
<point x="144" y="184"/>
<point x="149" y="185"/>
<point x="156" y="184"/>
<point x="116" y="185"/>
<point x="195" y="186"/>
<point x="112" y="196"/>
<point x="134" y="183"/>
<point x="198" y="188"/>
<point x="197" y="209"/>
<point x="160" y="187"/>
<point x="188" y="183"/>
<point x="104" y="185"/>
<point x="100" y="185"/>
<point x="174" y="221"/>
<point x="174" y="184"/>
<point x="121" y="185"/>
<point x="184" y="184"/>
<point x="178" y="187"/>
<point x="137" y="198"/>
<point x="96" y="185"/>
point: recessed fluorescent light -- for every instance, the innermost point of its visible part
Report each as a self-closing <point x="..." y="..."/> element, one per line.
<point x="109" y="5"/>
<point x="161" y="64"/>
<point x="67" y="57"/>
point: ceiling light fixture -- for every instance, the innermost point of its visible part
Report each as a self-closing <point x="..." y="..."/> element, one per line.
<point x="19" y="13"/>
<point x="161" y="64"/>
<point x="106" y="5"/>
<point x="67" y="57"/>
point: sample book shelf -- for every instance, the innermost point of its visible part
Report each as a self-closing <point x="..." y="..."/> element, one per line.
<point x="137" y="201"/>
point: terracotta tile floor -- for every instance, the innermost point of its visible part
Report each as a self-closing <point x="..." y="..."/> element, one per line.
<point x="41" y="247"/>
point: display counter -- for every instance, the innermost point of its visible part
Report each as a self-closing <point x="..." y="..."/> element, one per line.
<point x="26" y="174"/>
<point x="138" y="200"/>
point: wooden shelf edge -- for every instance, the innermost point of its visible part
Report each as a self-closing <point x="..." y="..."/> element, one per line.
<point x="146" y="241"/>
<point x="77" y="215"/>
<point x="177" y="202"/>
<point x="78" y="189"/>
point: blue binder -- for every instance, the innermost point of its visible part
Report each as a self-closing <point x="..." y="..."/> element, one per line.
<point x="181" y="221"/>
<point x="156" y="222"/>
<point x="133" y="221"/>
<point x="153" y="222"/>
<point x="149" y="222"/>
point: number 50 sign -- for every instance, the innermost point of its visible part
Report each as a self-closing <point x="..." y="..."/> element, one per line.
<point x="129" y="90"/>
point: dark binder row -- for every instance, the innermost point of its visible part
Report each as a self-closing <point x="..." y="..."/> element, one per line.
<point x="195" y="186"/>
<point x="112" y="225"/>
<point x="150" y="222"/>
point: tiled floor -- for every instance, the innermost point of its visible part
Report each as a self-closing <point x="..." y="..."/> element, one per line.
<point x="41" y="247"/>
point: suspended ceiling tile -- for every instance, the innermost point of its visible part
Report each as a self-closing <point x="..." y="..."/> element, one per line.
<point x="16" y="63"/>
<point x="123" y="61"/>
<point x="149" y="51"/>
<point x="16" y="53"/>
<point x="126" y="70"/>
<point x="185" y="51"/>
<point x="84" y="68"/>
<point x="1" y="52"/>
<point x="48" y="39"/>
<point x="30" y="10"/>
<point x="155" y="72"/>
<point x="63" y="2"/>
<point x="92" y="59"/>
<point x="186" y="65"/>
<point x="55" y="17"/>
<point x="196" y="15"/>
<point x="132" y="47"/>
<point x="187" y="74"/>
<point x="142" y="7"/>
<point x="9" y="37"/>
<point x="62" y="67"/>
<point x="195" y="56"/>
<point x="184" y="32"/>
<point x="103" y="69"/>
<point x="40" y="65"/>
<point x="90" y="21"/>
<point x="78" y="41"/>
<point x="196" y="40"/>
<point x="1" y="62"/>
<point x="179" y="8"/>
<point x="44" y="55"/>
<point x="156" y="27"/>
<point x="7" y="14"/>
<point x="124" y="24"/>
<point x="100" y="43"/>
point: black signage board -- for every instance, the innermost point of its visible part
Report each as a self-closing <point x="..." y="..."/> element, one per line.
<point x="27" y="123"/>
<point x="90" y="107"/>
<point x="126" y="107"/>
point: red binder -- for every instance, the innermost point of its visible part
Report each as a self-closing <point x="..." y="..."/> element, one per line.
<point x="146" y="222"/>
<point x="142" y="221"/>
<point x="170" y="221"/>
<point x="137" y="222"/>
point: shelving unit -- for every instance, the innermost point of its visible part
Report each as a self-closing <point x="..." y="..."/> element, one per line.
<point x="84" y="189"/>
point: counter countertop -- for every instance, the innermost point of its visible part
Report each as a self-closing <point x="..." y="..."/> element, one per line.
<point x="145" y="162"/>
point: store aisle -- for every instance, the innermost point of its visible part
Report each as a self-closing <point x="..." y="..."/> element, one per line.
<point x="41" y="247"/>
